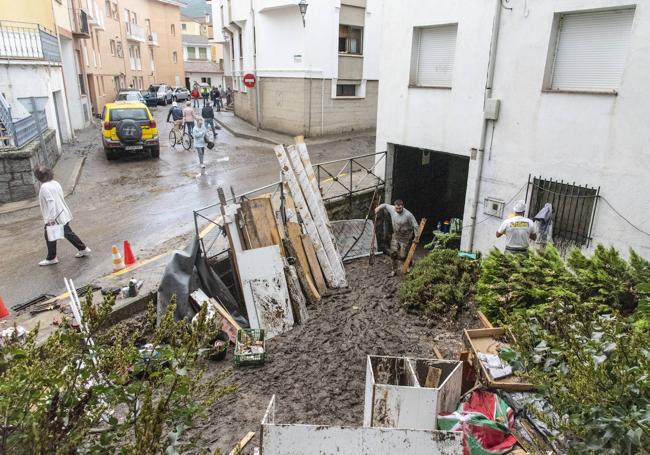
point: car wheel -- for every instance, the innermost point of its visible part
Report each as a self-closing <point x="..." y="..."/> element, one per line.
<point x="111" y="155"/>
<point x="155" y="152"/>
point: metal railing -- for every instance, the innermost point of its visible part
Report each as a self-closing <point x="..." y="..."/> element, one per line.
<point x="135" y="32"/>
<point x="21" y="40"/>
<point x="153" y="39"/>
<point x="80" y="23"/>
<point x="18" y="132"/>
<point x="207" y="220"/>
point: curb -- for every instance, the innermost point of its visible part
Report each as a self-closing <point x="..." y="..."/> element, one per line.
<point x="244" y="135"/>
<point x="24" y="205"/>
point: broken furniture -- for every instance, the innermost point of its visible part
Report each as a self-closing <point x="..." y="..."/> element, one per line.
<point x="404" y="392"/>
<point x="490" y="341"/>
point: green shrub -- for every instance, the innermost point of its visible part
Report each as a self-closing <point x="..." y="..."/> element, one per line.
<point x="440" y="282"/>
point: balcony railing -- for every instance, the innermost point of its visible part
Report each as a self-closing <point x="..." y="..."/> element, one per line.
<point x="28" y="41"/>
<point x="153" y="39"/>
<point x="80" y="23"/>
<point x="135" y="32"/>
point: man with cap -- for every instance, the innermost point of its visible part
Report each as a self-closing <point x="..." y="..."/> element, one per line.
<point x="404" y="228"/>
<point x="518" y="230"/>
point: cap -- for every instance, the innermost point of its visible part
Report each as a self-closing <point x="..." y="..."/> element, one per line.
<point x="520" y="206"/>
<point x="174" y="104"/>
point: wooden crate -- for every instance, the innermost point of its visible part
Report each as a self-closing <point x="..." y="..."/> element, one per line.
<point x="489" y="341"/>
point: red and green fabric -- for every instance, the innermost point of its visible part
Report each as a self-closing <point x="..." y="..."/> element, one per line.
<point x="485" y="420"/>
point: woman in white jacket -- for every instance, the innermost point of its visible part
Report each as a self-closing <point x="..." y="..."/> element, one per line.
<point x="56" y="211"/>
<point x="199" y="134"/>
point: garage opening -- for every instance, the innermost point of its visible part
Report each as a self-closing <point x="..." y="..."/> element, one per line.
<point x="432" y="184"/>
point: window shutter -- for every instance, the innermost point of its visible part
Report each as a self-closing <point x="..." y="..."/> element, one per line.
<point x="591" y="50"/>
<point x="434" y="52"/>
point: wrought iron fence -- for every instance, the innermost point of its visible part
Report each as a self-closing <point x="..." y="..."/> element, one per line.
<point x="342" y="178"/>
<point x="574" y="207"/>
<point x="22" y="40"/>
<point x="18" y="132"/>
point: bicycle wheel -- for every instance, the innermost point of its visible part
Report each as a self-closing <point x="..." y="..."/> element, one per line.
<point x="187" y="141"/>
<point x="172" y="138"/>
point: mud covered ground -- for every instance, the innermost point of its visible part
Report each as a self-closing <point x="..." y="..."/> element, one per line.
<point x="317" y="371"/>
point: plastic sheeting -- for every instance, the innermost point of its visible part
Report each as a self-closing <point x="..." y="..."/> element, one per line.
<point x="187" y="271"/>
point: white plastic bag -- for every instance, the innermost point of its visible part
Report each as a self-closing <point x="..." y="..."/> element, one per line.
<point x="54" y="232"/>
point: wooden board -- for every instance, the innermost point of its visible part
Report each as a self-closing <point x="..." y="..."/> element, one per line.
<point x="241" y="444"/>
<point x="484" y="320"/>
<point x="414" y="245"/>
<point x="228" y="324"/>
<point x="302" y="264"/>
<point x="489" y="341"/>
<point x="298" y="302"/>
<point x="260" y="227"/>
<point x="314" y="266"/>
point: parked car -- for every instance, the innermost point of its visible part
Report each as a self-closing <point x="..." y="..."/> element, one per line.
<point x="150" y="98"/>
<point x="181" y="94"/>
<point x="129" y="127"/>
<point x="163" y="92"/>
<point x="130" y="95"/>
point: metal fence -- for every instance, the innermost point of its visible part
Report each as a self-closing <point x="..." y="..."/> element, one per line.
<point x="18" y="132"/>
<point x="21" y="40"/>
<point x="342" y="178"/>
<point x="574" y="207"/>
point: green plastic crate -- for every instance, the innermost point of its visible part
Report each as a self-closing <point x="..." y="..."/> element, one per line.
<point x="246" y="337"/>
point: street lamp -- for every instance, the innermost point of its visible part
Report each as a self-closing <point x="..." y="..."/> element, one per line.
<point x="303" y="10"/>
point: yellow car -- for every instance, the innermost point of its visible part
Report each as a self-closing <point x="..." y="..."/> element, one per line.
<point x="128" y="127"/>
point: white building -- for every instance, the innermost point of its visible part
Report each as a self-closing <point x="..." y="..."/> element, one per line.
<point x="535" y="90"/>
<point x="199" y="62"/>
<point x="317" y="77"/>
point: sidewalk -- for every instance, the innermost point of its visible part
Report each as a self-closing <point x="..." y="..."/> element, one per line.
<point x="66" y="171"/>
<point x="242" y="129"/>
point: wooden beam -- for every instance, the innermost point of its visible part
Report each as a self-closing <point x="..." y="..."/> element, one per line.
<point x="242" y="443"/>
<point x="296" y="250"/>
<point x="314" y="266"/>
<point x="298" y="304"/>
<point x="439" y="356"/>
<point x="414" y="245"/>
<point x="484" y="320"/>
<point x="260" y="224"/>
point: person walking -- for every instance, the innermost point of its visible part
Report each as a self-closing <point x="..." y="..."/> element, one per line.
<point x="228" y="96"/>
<point x="518" y="230"/>
<point x="218" y="96"/>
<point x="55" y="211"/>
<point x="188" y="117"/>
<point x="213" y="96"/>
<point x="195" y="95"/>
<point x="405" y="228"/>
<point x="208" y="116"/>
<point x="205" y="93"/>
<point x="198" y="133"/>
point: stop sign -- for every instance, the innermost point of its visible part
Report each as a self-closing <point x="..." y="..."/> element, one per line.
<point x="249" y="80"/>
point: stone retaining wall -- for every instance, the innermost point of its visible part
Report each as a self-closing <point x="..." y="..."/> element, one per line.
<point x="17" y="180"/>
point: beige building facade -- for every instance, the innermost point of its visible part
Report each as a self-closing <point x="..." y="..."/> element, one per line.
<point x="128" y="44"/>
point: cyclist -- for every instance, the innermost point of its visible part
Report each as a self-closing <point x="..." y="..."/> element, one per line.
<point x="177" y="115"/>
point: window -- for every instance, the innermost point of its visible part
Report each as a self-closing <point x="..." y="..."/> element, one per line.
<point x="207" y="80"/>
<point x="118" y="49"/>
<point x="109" y="10"/>
<point x="153" y="66"/>
<point x="184" y="27"/>
<point x="116" y="12"/>
<point x="573" y="210"/>
<point x="191" y="52"/>
<point x="203" y="53"/>
<point x="111" y="43"/>
<point x="346" y="90"/>
<point x="350" y="39"/>
<point x="589" y="50"/>
<point x="133" y="114"/>
<point x="173" y="27"/>
<point x="432" y="55"/>
<point x="174" y="57"/>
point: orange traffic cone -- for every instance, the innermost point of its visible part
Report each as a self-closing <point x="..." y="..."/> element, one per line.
<point x="3" y="309"/>
<point x="118" y="263"/>
<point x="129" y="257"/>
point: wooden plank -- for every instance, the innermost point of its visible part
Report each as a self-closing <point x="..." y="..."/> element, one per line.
<point x="433" y="377"/>
<point x="242" y="443"/>
<point x="314" y="266"/>
<point x="414" y="245"/>
<point x="485" y="321"/>
<point x="228" y="324"/>
<point x="297" y="250"/>
<point x="259" y="223"/>
<point x="298" y="301"/>
<point x="438" y="354"/>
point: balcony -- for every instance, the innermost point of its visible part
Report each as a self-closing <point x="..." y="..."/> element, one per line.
<point x="21" y="40"/>
<point x="153" y="39"/>
<point x="135" y="32"/>
<point x="80" y="23"/>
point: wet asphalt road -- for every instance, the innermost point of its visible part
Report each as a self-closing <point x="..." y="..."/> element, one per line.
<point x="149" y="202"/>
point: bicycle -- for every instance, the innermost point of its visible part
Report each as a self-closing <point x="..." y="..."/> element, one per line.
<point x="179" y="136"/>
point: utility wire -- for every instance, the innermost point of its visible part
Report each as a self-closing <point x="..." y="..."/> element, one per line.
<point x="623" y="217"/>
<point x="509" y="201"/>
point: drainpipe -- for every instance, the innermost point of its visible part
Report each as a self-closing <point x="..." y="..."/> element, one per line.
<point x="257" y="80"/>
<point x="494" y="41"/>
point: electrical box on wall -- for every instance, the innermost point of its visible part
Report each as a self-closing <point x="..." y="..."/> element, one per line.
<point x="491" y="111"/>
<point x="493" y="207"/>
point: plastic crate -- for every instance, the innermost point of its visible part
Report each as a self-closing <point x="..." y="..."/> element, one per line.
<point x="245" y="339"/>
